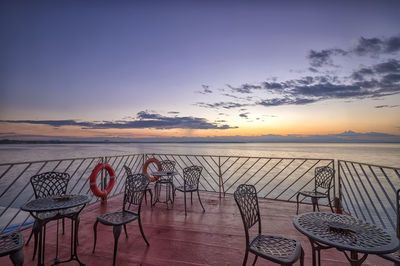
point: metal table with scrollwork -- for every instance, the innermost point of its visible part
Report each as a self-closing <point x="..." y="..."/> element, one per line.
<point x="166" y="179"/>
<point x="345" y="233"/>
<point x="63" y="206"/>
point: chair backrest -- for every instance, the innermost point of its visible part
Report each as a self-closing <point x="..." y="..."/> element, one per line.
<point x="128" y="170"/>
<point x="168" y="165"/>
<point x="191" y="175"/>
<point x="50" y="184"/>
<point x="247" y="201"/>
<point x="135" y="186"/>
<point x="323" y="177"/>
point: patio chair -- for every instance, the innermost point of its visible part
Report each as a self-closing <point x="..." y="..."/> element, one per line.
<point x="284" y="251"/>
<point x="11" y="244"/>
<point x="135" y="187"/>
<point x="395" y="256"/>
<point x="191" y="178"/>
<point x="128" y="173"/>
<point x="46" y="185"/>
<point x="323" y="178"/>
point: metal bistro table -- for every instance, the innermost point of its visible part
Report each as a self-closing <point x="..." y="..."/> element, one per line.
<point x="58" y="204"/>
<point x="345" y="233"/>
<point x="167" y="181"/>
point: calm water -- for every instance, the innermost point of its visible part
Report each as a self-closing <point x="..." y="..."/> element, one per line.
<point x="381" y="154"/>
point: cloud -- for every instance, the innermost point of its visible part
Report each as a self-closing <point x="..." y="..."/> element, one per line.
<point x="245" y="115"/>
<point x="375" y="46"/>
<point x="363" y="47"/>
<point x="143" y="119"/>
<point x="245" y="88"/>
<point x="323" y="57"/>
<point x="225" y="105"/>
<point x="206" y="90"/>
<point x="386" y="106"/>
<point x="173" y="112"/>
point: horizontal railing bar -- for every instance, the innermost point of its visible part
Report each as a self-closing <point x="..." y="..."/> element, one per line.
<point x="374" y="165"/>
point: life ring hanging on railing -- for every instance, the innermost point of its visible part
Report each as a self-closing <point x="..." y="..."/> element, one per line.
<point x="93" y="185"/>
<point x="146" y="165"/>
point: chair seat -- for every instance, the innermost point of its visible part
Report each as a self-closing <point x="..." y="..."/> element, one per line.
<point x="188" y="188"/>
<point x="10" y="243"/>
<point x="117" y="218"/>
<point x="395" y="256"/>
<point x="275" y="248"/>
<point x="313" y="194"/>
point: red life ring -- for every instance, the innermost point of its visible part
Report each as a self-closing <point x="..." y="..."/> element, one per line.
<point x="146" y="165"/>
<point x="93" y="186"/>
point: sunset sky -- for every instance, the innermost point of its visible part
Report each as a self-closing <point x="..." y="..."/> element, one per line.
<point x="198" y="68"/>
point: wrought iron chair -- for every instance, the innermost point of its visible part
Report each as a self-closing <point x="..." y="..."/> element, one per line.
<point x="128" y="173"/>
<point x="323" y="178"/>
<point x="46" y="185"/>
<point x="278" y="249"/>
<point x="11" y="244"/>
<point x="191" y="178"/>
<point x="395" y="256"/>
<point x="135" y="187"/>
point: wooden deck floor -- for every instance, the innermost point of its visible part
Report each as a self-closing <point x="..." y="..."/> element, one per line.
<point x="215" y="237"/>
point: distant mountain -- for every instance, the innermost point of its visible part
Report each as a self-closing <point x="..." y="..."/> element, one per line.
<point x="344" y="137"/>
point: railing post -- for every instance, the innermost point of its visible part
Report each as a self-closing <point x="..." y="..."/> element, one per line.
<point x="219" y="176"/>
<point x="103" y="179"/>
<point x="338" y="203"/>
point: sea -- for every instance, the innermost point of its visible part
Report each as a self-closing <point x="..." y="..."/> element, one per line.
<point x="384" y="154"/>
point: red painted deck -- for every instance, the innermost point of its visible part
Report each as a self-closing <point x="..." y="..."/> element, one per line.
<point x="215" y="237"/>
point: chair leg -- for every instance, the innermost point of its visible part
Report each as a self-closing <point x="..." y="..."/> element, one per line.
<point x="184" y="200"/>
<point x="142" y="232"/>
<point x="191" y="197"/>
<point x="116" y="232"/>
<point x="35" y="229"/>
<point x="95" y="235"/>
<point x="297" y="200"/>
<point x="151" y="198"/>
<point x="198" y="195"/>
<point x="314" y="203"/>
<point x="145" y="197"/>
<point x="63" y="224"/>
<point x="126" y="232"/>
<point x="330" y="203"/>
<point x="302" y="257"/>
<point x="255" y="260"/>
<point x="30" y="236"/>
<point x="17" y="258"/>
<point x="245" y="257"/>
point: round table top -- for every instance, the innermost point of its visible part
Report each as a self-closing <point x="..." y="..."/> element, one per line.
<point x="163" y="173"/>
<point x="55" y="203"/>
<point x="346" y="232"/>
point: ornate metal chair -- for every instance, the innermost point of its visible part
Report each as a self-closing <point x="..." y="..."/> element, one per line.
<point x="323" y="178"/>
<point x="11" y="244"/>
<point x="46" y="185"/>
<point x="274" y="248"/>
<point x="191" y="178"/>
<point x="135" y="187"/>
<point x="395" y="256"/>
<point x="128" y="173"/>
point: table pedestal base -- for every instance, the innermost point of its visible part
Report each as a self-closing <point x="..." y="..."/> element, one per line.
<point x="169" y="192"/>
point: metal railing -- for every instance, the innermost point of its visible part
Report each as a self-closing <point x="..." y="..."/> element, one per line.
<point x="15" y="187"/>
<point x="368" y="192"/>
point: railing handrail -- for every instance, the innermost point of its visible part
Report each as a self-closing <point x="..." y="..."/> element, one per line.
<point x="375" y="165"/>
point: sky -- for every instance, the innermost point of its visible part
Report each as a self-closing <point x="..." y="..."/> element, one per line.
<point x="154" y="69"/>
